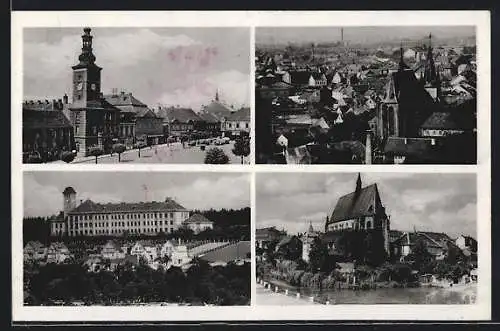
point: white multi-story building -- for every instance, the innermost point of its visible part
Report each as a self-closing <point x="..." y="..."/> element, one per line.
<point x="116" y="219"/>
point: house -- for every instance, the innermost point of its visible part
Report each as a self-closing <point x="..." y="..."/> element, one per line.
<point x="178" y="121"/>
<point x="401" y="150"/>
<point x="277" y="89"/>
<point x="198" y="223"/>
<point x="137" y="249"/>
<point x="46" y="132"/>
<point x="167" y="249"/>
<point x="57" y="253"/>
<point x="237" y="123"/>
<point x="111" y="250"/>
<point x="297" y="78"/>
<point x="150" y="253"/>
<point x="180" y="256"/>
<point x="436" y="244"/>
<point x="34" y="251"/>
<point x="211" y="123"/>
<point x="285" y="242"/>
<point x="466" y="242"/>
<point x="149" y="127"/>
<point x="317" y="79"/>
<point x="360" y="210"/>
<point x="265" y="236"/>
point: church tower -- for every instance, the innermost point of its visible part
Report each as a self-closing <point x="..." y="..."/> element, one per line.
<point x="86" y="75"/>
<point x="431" y="77"/>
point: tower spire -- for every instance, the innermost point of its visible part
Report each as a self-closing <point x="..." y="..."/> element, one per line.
<point x="217" y="95"/>
<point x="86" y="58"/>
<point x="358" y="184"/>
<point x="430" y="76"/>
<point x="402" y="64"/>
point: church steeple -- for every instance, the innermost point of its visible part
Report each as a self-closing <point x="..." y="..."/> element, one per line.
<point x="86" y="58"/>
<point x="430" y="75"/>
<point x="358" y="184"/>
<point x="217" y="95"/>
<point x="402" y="64"/>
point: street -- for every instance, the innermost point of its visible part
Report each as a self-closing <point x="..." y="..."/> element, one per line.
<point x="173" y="153"/>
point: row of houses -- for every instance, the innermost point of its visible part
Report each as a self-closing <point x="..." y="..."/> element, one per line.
<point x="113" y="253"/>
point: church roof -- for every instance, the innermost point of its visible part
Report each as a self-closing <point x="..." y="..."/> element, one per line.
<point x="69" y="190"/>
<point x="89" y="206"/>
<point x="352" y="205"/>
<point x="243" y="114"/>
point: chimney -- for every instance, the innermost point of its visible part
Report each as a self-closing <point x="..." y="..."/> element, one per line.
<point x="368" y="148"/>
<point x="65" y="99"/>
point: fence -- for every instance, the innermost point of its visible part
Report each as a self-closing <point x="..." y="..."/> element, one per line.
<point x="292" y="293"/>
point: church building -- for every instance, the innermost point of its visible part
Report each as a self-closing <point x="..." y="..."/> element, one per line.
<point x="361" y="210"/>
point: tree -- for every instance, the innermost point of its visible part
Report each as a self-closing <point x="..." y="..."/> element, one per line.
<point x="67" y="156"/>
<point x="96" y="151"/>
<point x="242" y="147"/>
<point x="421" y="256"/>
<point x="216" y="156"/>
<point x="119" y="148"/>
<point x="318" y="255"/>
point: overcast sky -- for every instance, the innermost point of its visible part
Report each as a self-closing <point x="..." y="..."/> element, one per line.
<point x="367" y="34"/>
<point x="428" y="202"/>
<point x="43" y="189"/>
<point x="172" y="66"/>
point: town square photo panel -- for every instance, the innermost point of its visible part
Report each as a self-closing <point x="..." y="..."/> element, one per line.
<point x="136" y="95"/>
<point x="366" y="95"/>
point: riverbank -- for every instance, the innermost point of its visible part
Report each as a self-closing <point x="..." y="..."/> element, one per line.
<point x="266" y="296"/>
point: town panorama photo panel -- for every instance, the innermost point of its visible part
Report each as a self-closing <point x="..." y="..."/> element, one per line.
<point x="366" y="95"/>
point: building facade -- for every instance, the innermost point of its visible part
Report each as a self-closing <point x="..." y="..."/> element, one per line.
<point x="89" y="218"/>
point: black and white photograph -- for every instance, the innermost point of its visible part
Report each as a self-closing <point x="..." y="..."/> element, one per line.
<point x="366" y="95"/>
<point x="136" y="238"/>
<point x="136" y="95"/>
<point x="366" y="238"/>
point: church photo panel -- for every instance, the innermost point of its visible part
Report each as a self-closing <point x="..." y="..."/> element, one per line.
<point x="366" y="238"/>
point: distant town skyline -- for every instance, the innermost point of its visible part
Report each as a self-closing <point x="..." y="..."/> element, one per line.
<point x="170" y="66"/>
<point x="422" y="202"/>
<point x="43" y="190"/>
<point x="362" y="34"/>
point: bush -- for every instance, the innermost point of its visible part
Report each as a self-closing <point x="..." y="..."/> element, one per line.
<point x="67" y="156"/>
<point x="216" y="156"/>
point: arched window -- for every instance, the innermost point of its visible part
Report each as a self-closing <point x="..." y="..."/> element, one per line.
<point x="368" y="224"/>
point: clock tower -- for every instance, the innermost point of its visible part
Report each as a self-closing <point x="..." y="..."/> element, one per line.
<point x="86" y="75"/>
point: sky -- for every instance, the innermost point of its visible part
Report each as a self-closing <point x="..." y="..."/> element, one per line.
<point x="366" y="34"/>
<point x="193" y="190"/>
<point x="171" y="66"/>
<point x="428" y="202"/>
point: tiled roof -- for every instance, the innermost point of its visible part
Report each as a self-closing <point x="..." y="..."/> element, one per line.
<point x="198" y="218"/>
<point x="146" y="113"/>
<point x="266" y="233"/>
<point x="181" y="115"/>
<point x="354" y="205"/>
<point x="318" y="75"/>
<point x="243" y="114"/>
<point x="88" y="206"/>
<point x="208" y="117"/>
<point x="278" y="85"/>
<point x="229" y="253"/>
<point x="218" y="109"/>
<point x="299" y="77"/>
<point x="449" y="121"/>
<point x="44" y="119"/>
<point x="421" y="148"/>
<point x="125" y="102"/>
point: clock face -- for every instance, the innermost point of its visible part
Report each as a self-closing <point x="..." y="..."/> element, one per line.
<point x="79" y="86"/>
<point x="93" y="87"/>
